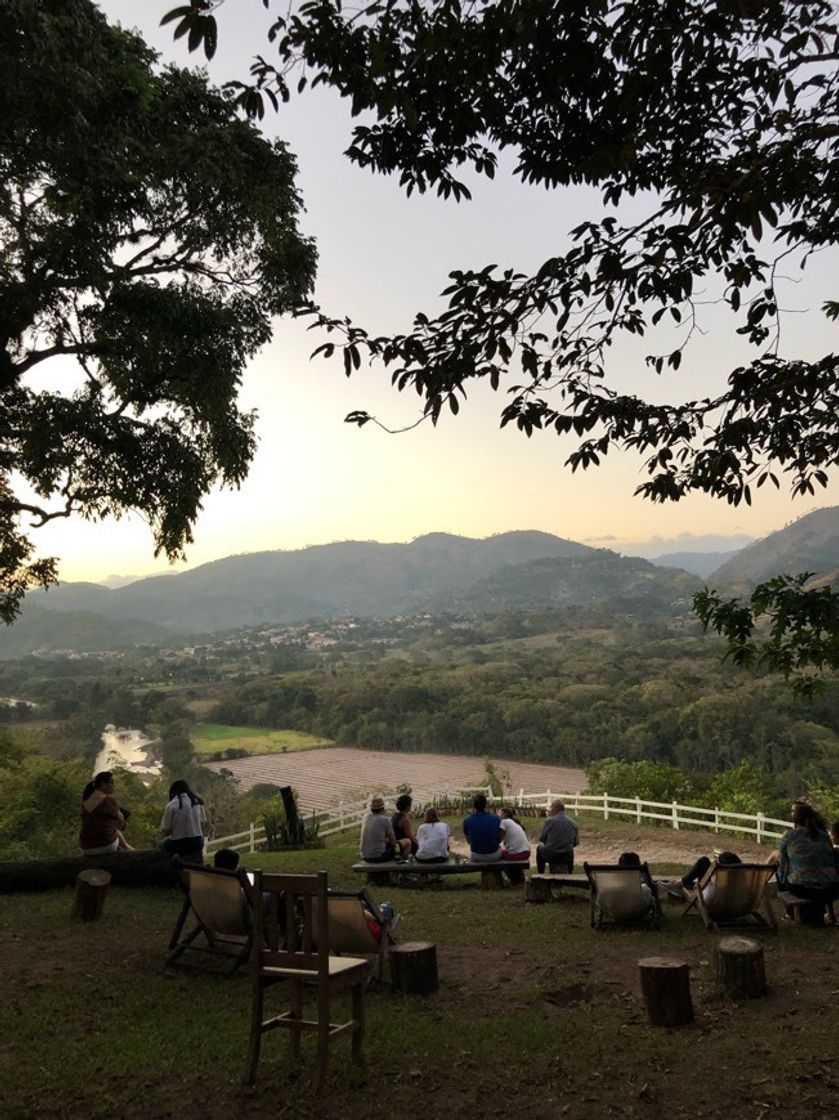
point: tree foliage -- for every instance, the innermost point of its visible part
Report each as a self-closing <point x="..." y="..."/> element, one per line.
<point x="720" y="119"/>
<point x="147" y="237"/>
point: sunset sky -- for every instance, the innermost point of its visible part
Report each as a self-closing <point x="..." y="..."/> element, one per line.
<point x="382" y="257"/>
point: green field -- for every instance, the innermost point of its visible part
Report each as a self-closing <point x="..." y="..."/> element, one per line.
<point x="208" y="738"/>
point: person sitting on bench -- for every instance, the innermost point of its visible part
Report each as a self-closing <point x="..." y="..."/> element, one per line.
<point x="378" y="842"/>
<point x="806" y="863"/>
<point x="433" y="839"/>
<point x="560" y="836"/>
<point x="483" y="832"/>
<point x="515" y="845"/>
<point x="696" y="874"/>
<point x="403" y="830"/>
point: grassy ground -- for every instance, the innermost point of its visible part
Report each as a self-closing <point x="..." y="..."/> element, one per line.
<point x="536" y="1013"/>
<point x="208" y="738"/>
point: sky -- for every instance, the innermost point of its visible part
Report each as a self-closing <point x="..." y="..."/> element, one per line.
<point x="316" y="479"/>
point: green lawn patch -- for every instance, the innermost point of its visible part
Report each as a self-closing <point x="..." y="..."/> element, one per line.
<point x="210" y="738"/>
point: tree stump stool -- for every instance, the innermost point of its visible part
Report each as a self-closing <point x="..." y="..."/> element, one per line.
<point x="738" y="966"/>
<point x="413" y="967"/>
<point x="491" y="880"/>
<point x="89" y="899"/>
<point x="537" y="890"/>
<point x="665" y="987"/>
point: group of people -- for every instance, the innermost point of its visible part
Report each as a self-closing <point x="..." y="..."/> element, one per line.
<point x="103" y="820"/>
<point x="491" y="836"/>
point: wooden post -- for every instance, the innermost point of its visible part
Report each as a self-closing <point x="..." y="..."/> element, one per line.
<point x="252" y="848"/>
<point x="413" y="967"/>
<point x="738" y="966"/>
<point x="638" y="810"/>
<point x="665" y="987"/>
<point x="491" y="880"/>
<point x="89" y="899"/>
<point x="675" y="817"/>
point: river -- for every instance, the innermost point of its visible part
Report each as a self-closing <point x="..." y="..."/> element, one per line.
<point x="128" y="749"/>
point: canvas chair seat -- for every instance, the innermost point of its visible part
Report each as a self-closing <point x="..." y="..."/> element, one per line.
<point x="349" y="930"/>
<point x="218" y="902"/>
<point x="739" y="893"/>
<point x="623" y="895"/>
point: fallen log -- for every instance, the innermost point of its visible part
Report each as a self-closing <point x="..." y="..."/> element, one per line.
<point x="145" y="867"/>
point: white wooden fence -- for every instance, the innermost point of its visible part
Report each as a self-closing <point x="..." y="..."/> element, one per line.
<point x="347" y="816"/>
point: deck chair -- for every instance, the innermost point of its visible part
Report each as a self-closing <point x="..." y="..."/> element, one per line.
<point x="739" y="892"/>
<point x="219" y="903"/>
<point x="284" y="948"/>
<point x="349" y="931"/>
<point x="618" y="895"/>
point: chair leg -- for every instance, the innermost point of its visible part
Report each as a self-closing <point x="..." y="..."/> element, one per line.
<point x="296" y="1012"/>
<point x="322" y="1056"/>
<point x="256" y="1034"/>
<point x="358" y="1024"/>
<point x="179" y="925"/>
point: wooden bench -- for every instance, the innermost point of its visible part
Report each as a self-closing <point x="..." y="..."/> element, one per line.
<point x="491" y="873"/>
<point x="807" y="911"/>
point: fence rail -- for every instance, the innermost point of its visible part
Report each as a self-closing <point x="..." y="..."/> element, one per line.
<point x="346" y="816"/>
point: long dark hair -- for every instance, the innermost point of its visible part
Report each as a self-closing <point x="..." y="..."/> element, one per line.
<point x="178" y="788"/>
<point x="99" y="780"/>
<point x="805" y="816"/>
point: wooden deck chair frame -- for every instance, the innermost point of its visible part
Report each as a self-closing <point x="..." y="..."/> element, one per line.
<point x="219" y="903"/>
<point x="288" y="910"/>
<point x="756" y="898"/>
<point x="349" y="932"/>
<point x="651" y="916"/>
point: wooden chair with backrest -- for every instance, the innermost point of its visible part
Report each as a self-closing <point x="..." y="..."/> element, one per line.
<point x="289" y="911"/>
<point x="219" y="903"/>
<point x="739" y="893"/>
<point x="618" y="895"/>
<point x="349" y="928"/>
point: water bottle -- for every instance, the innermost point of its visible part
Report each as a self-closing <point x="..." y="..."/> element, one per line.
<point x="387" y="912"/>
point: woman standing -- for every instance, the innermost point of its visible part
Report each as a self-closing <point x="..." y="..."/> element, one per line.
<point x="183" y="823"/>
<point x="102" y="818"/>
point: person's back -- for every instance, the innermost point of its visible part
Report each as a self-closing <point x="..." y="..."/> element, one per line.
<point x="483" y="832"/>
<point x="378" y="843"/>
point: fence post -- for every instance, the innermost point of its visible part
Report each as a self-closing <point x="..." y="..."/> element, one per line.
<point x="638" y="810"/>
<point x="675" y="817"/>
<point x="521" y="796"/>
<point x="716" y="818"/>
<point x="605" y="806"/>
<point x="341" y="811"/>
<point x="548" y="799"/>
<point x="253" y="840"/>
<point x="759" y="828"/>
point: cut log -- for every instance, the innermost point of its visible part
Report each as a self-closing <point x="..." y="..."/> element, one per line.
<point x="665" y="986"/>
<point x="413" y="967"/>
<point x="89" y="899"/>
<point x="537" y="890"/>
<point x="141" y="868"/>
<point x="738" y="966"/>
<point x="491" y="880"/>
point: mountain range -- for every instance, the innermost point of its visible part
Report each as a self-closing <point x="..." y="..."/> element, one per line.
<point x="519" y="570"/>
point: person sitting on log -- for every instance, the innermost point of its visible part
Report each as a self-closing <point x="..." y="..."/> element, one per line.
<point x="182" y="823"/>
<point x="483" y="831"/>
<point x="560" y="836"/>
<point x="806" y="861"/>
<point x="403" y="830"/>
<point x="378" y="842"/>
<point x="433" y="839"/>
<point x="102" y="819"/>
<point x="682" y="886"/>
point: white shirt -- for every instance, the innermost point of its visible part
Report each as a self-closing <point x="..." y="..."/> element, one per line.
<point x="433" y="840"/>
<point x="515" y="838"/>
<point x="182" y="819"/>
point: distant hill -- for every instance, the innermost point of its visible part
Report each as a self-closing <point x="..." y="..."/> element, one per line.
<point x="325" y="581"/>
<point x="810" y="544"/>
<point x="79" y="631"/>
<point x="699" y="563"/>
<point x="627" y="583"/>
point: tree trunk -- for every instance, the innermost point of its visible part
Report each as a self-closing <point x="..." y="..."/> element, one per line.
<point x="738" y="965"/>
<point x="413" y="967"/>
<point x="89" y="899"/>
<point x="142" y="868"/>
<point x="537" y="890"/>
<point x="665" y="986"/>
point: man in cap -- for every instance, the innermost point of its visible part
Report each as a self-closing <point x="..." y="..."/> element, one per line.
<point x="378" y="842"/>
